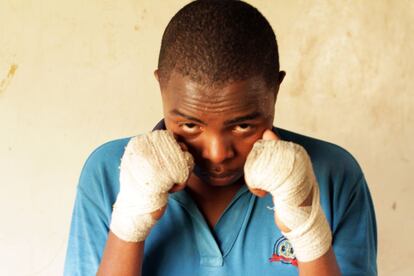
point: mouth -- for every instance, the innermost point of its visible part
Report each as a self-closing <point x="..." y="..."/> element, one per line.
<point x="219" y="176"/>
<point x="222" y="178"/>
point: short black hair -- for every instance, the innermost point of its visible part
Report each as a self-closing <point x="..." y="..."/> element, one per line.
<point x="215" y="42"/>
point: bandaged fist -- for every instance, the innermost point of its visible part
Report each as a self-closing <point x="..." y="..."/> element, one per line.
<point x="151" y="165"/>
<point x="285" y="171"/>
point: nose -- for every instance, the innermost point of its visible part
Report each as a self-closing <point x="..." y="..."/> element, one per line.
<point x="217" y="149"/>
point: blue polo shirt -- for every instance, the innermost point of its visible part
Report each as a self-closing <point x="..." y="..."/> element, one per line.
<point x="245" y="240"/>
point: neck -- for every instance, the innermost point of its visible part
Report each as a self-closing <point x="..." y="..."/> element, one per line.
<point x="211" y="200"/>
<point x="203" y="192"/>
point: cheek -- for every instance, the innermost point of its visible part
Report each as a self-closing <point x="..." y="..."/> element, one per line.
<point x="191" y="143"/>
<point x="244" y="146"/>
<point x="173" y="127"/>
<point x="176" y="131"/>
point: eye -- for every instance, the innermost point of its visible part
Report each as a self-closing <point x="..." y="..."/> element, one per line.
<point x="190" y="127"/>
<point x="242" y="128"/>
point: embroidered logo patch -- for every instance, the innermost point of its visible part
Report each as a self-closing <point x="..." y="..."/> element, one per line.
<point x="283" y="252"/>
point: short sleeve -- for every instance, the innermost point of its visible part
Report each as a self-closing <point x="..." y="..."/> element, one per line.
<point x="355" y="232"/>
<point x="96" y="193"/>
<point x="87" y="238"/>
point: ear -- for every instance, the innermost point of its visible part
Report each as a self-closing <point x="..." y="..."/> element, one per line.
<point x="281" y="76"/>
<point x="157" y="77"/>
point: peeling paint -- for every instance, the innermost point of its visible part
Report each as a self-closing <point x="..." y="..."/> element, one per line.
<point x="6" y="81"/>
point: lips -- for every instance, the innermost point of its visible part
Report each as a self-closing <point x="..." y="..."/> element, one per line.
<point x="222" y="178"/>
<point x="217" y="175"/>
<point x="222" y="175"/>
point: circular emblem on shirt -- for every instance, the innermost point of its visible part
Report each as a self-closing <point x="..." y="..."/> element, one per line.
<point x="283" y="252"/>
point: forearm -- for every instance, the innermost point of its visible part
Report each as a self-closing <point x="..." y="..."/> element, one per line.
<point x="285" y="170"/>
<point x="121" y="257"/>
<point x="325" y="265"/>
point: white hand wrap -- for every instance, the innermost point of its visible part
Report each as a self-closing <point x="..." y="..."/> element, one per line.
<point x="151" y="165"/>
<point x="284" y="169"/>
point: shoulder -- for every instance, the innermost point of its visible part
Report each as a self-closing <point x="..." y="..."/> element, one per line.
<point x="107" y="153"/>
<point x="99" y="179"/>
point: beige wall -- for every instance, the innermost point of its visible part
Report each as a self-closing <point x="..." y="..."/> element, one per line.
<point x="74" y="74"/>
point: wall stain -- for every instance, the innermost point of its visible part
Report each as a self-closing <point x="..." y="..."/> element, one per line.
<point x="6" y="81"/>
<point x="142" y="17"/>
<point x="394" y="206"/>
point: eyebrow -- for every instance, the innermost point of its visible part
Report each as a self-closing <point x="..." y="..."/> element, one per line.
<point x="247" y="117"/>
<point x="188" y="117"/>
<point x="251" y="116"/>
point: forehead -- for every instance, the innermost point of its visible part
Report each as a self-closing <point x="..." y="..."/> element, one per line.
<point x="237" y="96"/>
